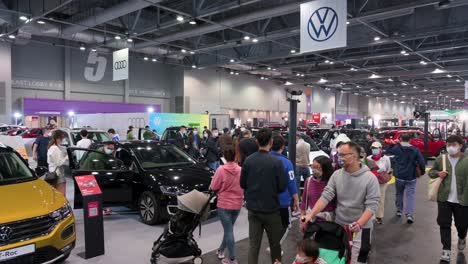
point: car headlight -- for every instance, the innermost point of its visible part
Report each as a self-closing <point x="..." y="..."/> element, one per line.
<point x="61" y="213"/>
<point x="170" y="190"/>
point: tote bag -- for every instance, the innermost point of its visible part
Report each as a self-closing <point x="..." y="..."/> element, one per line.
<point x="434" y="184"/>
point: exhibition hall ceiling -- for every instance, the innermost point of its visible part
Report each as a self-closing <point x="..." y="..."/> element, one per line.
<point x="407" y="50"/>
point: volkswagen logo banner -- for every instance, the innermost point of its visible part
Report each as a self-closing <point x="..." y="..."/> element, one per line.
<point x="120" y="65"/>
<point x="323" y="25"/>
<point x="5" y="233"/>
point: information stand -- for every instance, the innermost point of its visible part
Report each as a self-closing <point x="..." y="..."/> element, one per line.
<point x="92" y="213"/>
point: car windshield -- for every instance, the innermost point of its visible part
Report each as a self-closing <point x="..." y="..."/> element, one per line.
<point x="96" y="136"/>
<point x="153" y="156"/>
<point x="13" y="169"/>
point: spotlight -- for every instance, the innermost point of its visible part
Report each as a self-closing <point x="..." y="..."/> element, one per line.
<point x="154" y="60"/>
<point x="449" y="76"/>
<point x="194" y="66"/>
<point x="254" y="40"/>
<point x="12" y="36"/>
<point x="193" y="22"/>
<point x="377" y="38"/>
<point x="93" y="50"/>
<point x="269" y="68"/>
<point x="129" y="40"/>
<point x="327" y="61"/>
<point x="237" y="73"/>
<point x="117" y="37"/>
<point x="145" y="58"/>
<point x="403" y="52"/>
<point x="23" y="18"/>
<point x="180" y="18"/>
<point x="347" y="22"/>
<point x="246" y="38"/>
<point x="232" y="73"/>
<point x="293" y="51"/>
<point x="183" y="51"/>
<point x="41" y="22"/>
<point x="390" y="79"/>
<point x="192" y="52"/>
<point x="437" y="70"/>
<point x="82" y="48"/>
<point x="150" y="109"/>
<point x="232" y="60"/>
<point x="423" y="62"/>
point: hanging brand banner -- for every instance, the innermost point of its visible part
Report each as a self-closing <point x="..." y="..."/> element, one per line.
<point x="323" y="25"/>
<point x="120" y="65"/>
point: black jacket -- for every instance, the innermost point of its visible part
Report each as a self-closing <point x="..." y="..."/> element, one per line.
<point x="262" y="179"/>
<point x="212" y="150"/>
<point x="181" y="141"/>
<point x="406" y="160"/>
<point x="247" y="147"/>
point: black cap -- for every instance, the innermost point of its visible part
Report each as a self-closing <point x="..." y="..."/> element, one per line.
<point x="130" y="127"/>
<point x="225" y="130"/>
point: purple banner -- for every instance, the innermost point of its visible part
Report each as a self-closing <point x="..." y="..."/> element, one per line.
<point x="344" y="117"/>
<point x="53" y="107"/>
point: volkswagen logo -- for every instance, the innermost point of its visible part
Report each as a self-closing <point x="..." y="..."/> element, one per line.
<point x="119" y="65"/>
<point x="5" y="233"/>
<point x="323" y="24"/>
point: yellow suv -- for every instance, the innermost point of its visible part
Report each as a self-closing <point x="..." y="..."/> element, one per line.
<point x="36" y="221"/>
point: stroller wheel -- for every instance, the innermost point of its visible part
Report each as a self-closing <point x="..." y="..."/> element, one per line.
<point x="197" y="260"/>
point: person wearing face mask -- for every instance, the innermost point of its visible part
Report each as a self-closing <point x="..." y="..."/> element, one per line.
<point x="384" y="166"/>
<point x="357" y="195"/>
<point x="341" y="139"/>
<point x="194" y="143"/>
<point x="97" y="161"/>
<point x="307" y="252"/>
<point x="322" y="170"/>
<point x="407" y="158"/>
<point x="213" y="149"/>
<point x="57" y="158"/>
<point x="452" y="199"/>
<point x="181" y="139"/>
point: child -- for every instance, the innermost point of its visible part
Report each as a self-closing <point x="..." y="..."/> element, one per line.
<point x="307" y="253"/>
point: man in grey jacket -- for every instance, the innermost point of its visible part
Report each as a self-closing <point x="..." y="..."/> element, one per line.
<point x="357" y="202"/>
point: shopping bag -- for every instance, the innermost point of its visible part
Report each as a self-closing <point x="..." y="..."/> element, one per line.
<point x="434" y="184"/>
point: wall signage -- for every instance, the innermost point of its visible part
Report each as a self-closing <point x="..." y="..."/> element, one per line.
<point x="38" y="84"/>
<point x="323" y="25"/>
<point x="120" y="65"/>
<point x="96" y="68"/>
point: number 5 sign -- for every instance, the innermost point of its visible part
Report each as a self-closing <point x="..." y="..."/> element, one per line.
<point x="96" y="72"/>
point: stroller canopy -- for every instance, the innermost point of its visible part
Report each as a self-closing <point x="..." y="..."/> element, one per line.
<point x="192" y="202"/>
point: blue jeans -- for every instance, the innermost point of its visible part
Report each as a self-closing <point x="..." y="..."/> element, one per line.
<point x="305" y="173"/>
<point x="228" y="218"/>
<point x="407" y="188"/>
<point x="214" y="165"/>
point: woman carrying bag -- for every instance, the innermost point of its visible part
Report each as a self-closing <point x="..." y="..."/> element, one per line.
<point x="383" y="175"/>
<point x="452" y="198"/>
<point x="57" y="158"/>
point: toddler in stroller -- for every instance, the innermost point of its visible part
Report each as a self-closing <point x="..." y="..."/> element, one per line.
<point x="176" y="244"/>
<point x="333" y="241"/>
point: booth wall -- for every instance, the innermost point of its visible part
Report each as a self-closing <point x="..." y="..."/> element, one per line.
<point x="218" y="92"/>
<point x="390" y="109"/>
<point x="44" y="71"/>
<point x="119" y="122"/>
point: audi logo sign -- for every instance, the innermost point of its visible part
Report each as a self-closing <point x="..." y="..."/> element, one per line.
<point x="120" y="65"/>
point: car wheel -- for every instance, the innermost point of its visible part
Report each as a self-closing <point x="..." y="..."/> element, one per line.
<point x="149" y="208"/>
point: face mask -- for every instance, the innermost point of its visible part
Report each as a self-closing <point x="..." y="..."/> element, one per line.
<point x="453" y="150"/>
<point x="205" y="135"/>
<point x="215" y="134"/>
<point x="341" y="162"/>
<point x="300" y="259"/>
<point x="376" y="152"/>
<point x="108" y="151"/>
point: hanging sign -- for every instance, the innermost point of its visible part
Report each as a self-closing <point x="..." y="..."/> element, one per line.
<point x="120" y="65"/>
<point x="323" y="25"/>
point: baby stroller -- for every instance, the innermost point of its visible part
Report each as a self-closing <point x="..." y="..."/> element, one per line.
<point x="176" y="243"/>
<point x="333" y="239"/>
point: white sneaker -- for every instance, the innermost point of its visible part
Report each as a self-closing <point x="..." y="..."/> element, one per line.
<point x="220" y="254"/>
<point x="268" y="250"/>
<point x="461" y="244"/>
<point x="445" y="256"/>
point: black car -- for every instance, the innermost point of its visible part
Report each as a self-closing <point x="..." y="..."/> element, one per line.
<point x="144" y="175"/>
<point x="356" y="135"/>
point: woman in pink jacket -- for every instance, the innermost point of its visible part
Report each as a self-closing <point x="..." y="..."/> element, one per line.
<point x="226" y="183"/>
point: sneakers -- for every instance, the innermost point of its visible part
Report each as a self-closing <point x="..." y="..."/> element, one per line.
<point x="445" y="257"/>
<point x="410" y="219"/>
<point x="268" y="250"/>
<point x="220" y="254"/>
<point x="461" y="244"/>
<point x="399" y="213"/>
<point x="228" y="261"/>
<point x="379" y="221"/>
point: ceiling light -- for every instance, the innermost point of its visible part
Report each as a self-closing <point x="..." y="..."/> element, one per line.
<point x="93" y="50"/>
<point x="415" y="87"/>
<point x="254" y="40"/>
<point x="444" y="3"/>
<point x="12" y="36"/>
<point x="298" y="74"/>
<point x="274" y="69"/>
<point x="423" y="62"/>
<point x="347" y="22"/>
<point x="449" y="76"/>
<point x="246" y="38"/>
<point x="269" y="68"/>
<point x="180" y="18"/>
<point x="262" y="78"/>
<point x="406" y="54"/>
<point x="404" y="84"/>
<point x="433" y="92"/>
<point x="353" y="69"/>
<point x="358" y="86"/>
<point x="237" y="73"/>
<point x="403" y="52"/>
<point x="23" y="18"/>
<point x="288" y="83"/>
<point x="129" y="40"/>
<point x="193" y="22"/>
<point x="458" y="80"/>
<point x="437" y="70"/>
<point x="404" y="96"/>
<point x="117" y="37"/>
<point x="426" y="101"/>
<point x="266" y="78"/>
<point x="384" y="92"/>
<point x="395" y="94"/>
<point x="194" y="66"/>
<point x="390" y="79"/>
<point x="41" y="22"/>
<point x="302" y="75"/>
<point x="145" y="58"/>
<point x="82" y="48"/>
<point x="293" y="51"/>
<point x="377" y="38"/>
<point x="374" y="76"/>
<point x="327" y="61"/>
<point x="192" y="52"/>
<point x="425" y="90"/>
<point x="322" y="80"/>
<point x="332" y="62"/>
<point x="154" y="60"/>
<point x="356" y="93"/>
<point x="183" y="51"/>
<point x="232" y="73"/>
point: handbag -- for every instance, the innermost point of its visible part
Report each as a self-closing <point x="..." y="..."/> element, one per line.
<point x="434" y="184"/>
<point x="51" y="177"/>
<point x="418" y="171"/>
<point x="384" y="177"/>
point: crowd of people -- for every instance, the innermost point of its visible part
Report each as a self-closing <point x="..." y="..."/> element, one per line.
<point x="348" y="188"/>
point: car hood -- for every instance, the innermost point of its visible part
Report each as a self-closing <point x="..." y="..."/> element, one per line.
<point x="27" y="200"/>
<point x="189" y="177"/>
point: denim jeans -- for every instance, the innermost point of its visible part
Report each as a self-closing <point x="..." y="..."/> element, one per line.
<point x="228" y="218"/>
<point x="214" y="165"/>
<point x="408" y="189"/>
<point x="305" y="173"/>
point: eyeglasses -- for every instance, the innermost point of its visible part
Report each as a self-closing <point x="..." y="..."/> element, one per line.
<point x="342" y="155"/>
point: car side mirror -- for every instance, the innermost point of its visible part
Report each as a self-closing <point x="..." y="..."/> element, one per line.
<point x="41" y="171"/>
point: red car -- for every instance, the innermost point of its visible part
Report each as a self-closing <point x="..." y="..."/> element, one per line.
<point x="435" y="146"/>
<point x="26" y="132"/>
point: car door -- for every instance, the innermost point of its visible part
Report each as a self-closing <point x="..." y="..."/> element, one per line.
<point x="114" y="178"/>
